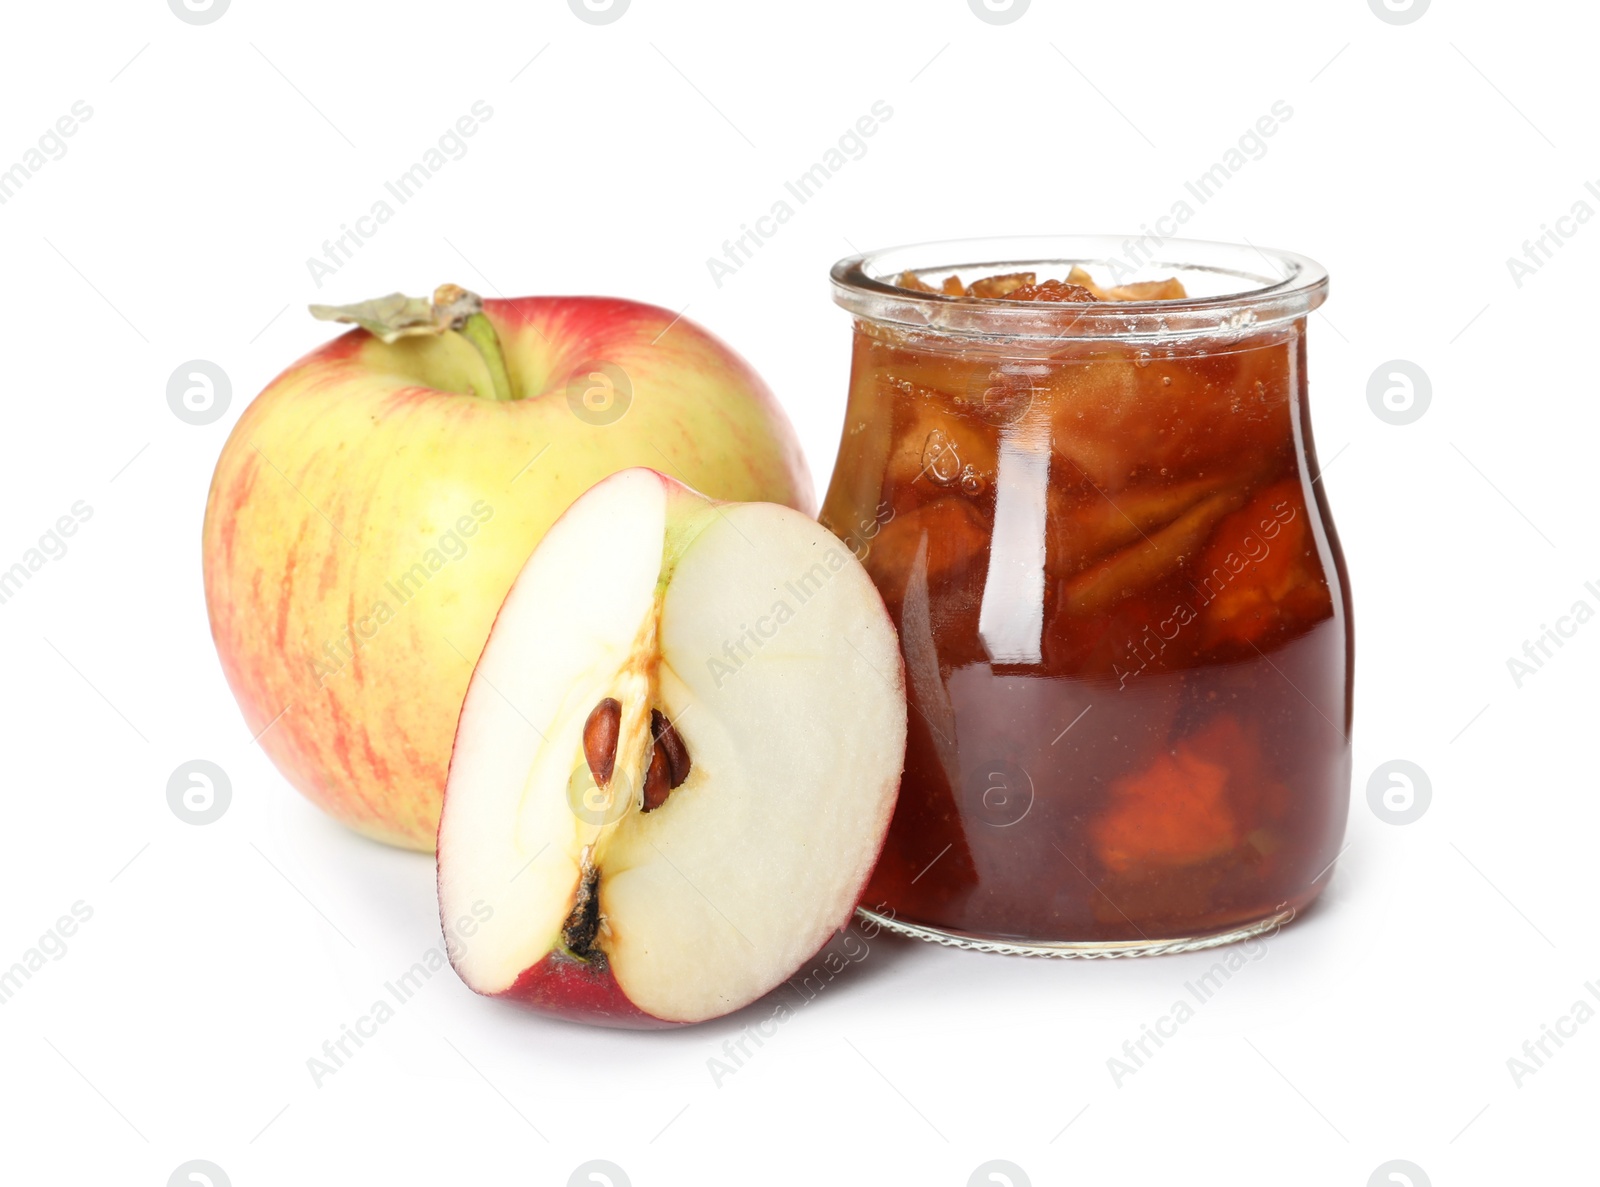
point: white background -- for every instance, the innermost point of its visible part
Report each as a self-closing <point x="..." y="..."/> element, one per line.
<point x="218" y="959"/>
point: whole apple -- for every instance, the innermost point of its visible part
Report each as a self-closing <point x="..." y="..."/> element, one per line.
<point x="373" y="505"/>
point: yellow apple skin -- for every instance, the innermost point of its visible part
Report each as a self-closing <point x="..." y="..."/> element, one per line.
<point x="366" y="519"/>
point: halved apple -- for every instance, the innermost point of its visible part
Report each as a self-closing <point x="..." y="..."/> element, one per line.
<point x="676" y="762"/>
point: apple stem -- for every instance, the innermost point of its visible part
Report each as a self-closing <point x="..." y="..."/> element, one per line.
<point x="452" y="310"/>
<point x="478" y="331"/>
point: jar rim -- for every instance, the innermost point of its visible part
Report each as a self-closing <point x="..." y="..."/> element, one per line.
<point x="1260" y="287"/>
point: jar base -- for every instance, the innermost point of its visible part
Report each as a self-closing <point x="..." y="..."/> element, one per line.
<point x="1067" y="950"/>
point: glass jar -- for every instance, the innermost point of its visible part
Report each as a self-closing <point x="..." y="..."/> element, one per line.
<point x="1122" y="605"/>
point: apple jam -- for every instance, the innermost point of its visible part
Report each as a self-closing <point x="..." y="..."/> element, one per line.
<point x="1091" y="509"/>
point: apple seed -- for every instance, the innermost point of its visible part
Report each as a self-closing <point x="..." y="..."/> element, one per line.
<point x="600" y="739"/>
<point x="677" y="753"/>
<point x="658" y="779"/>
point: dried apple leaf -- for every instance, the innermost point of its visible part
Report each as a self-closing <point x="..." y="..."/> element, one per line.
<point x="398" y="316"/>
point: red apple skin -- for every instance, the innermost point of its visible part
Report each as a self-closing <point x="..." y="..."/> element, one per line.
<point x="358" y="463"/>
<point x="561" y="986"/>
<point x="580" y="991"/>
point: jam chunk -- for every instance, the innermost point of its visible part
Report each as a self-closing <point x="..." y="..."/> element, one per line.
<point x="1025" y="286"/>
<point x="1260" y="571"/>
<point x="1210" y="795"/>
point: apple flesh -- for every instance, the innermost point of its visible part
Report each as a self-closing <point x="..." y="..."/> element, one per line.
<point x="373" y="505"/>
<point x="677" y="759"/>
